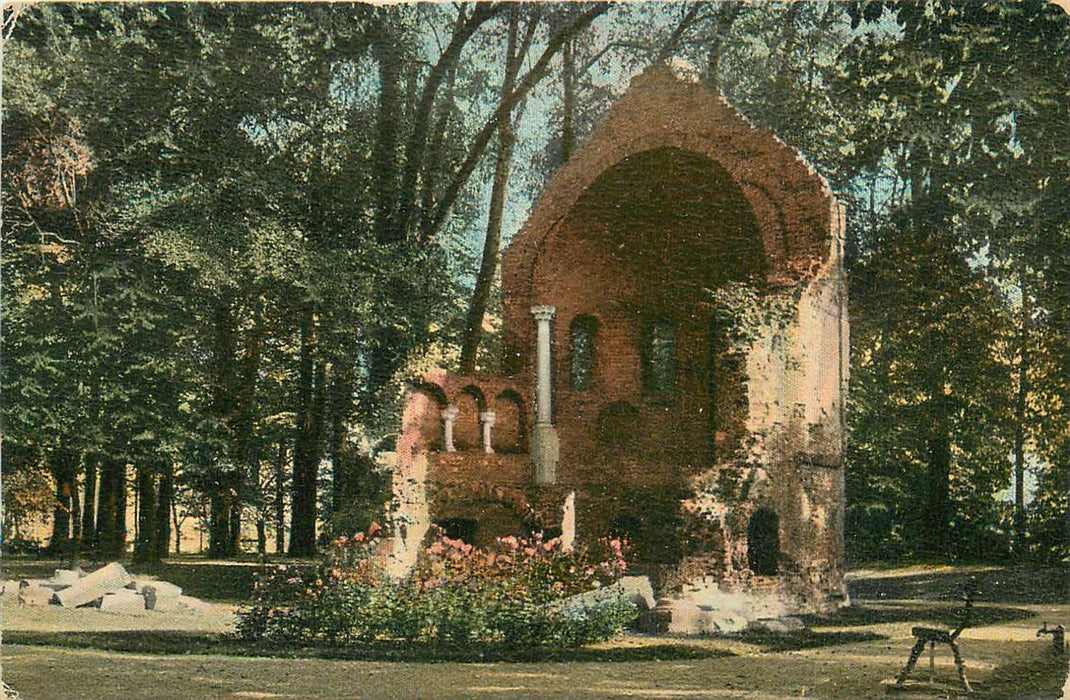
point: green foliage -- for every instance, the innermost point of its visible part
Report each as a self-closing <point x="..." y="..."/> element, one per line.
<point x="29" y="496"/>
<point x="514" y="596"/>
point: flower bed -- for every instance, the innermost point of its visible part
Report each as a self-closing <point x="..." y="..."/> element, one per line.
<point x="458" y="596"/>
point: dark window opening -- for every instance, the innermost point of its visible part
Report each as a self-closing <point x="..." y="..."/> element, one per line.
<point x="763" y="543"/>
<point x="659" y="357"/>
<point x="463" y="529"/>
<point x="582" y="333"/>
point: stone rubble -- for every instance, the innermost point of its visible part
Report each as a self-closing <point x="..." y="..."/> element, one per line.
<point x="111" y="589"/>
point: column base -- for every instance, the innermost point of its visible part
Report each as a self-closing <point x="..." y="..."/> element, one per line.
<point x="545" y="451"/>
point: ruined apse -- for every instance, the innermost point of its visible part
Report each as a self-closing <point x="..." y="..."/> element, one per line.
<point x="675" y="364"/>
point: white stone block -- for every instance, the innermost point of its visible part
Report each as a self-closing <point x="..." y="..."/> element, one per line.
<point x="122" y="601"/>
<point x="67" y="577"/>
<point x="36" y="595"/>
<point x="183" y="604"/>
<point x="634" y="589"/>
<point x="104" y="580"/>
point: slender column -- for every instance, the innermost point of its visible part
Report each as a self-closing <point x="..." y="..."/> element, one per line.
<point x="544" y="392"/>
<point x="545" y="445"/>
<point x="487" y="417"/>
<point x="449" y="417"/>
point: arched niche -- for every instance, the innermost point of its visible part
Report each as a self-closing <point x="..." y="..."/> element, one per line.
<point x="467" y="434"/>
<point x="508" y="434"/>
<point x="763" y="542"/>
<point x="422" y="417"/>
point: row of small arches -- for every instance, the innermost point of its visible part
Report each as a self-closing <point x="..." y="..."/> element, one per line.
<point x="472" y="404"/>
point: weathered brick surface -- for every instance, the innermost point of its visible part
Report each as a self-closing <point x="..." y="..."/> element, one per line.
<point x="675" y="195"/>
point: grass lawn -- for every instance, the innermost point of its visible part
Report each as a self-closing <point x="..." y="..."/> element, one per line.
<point x="57" y="653"/>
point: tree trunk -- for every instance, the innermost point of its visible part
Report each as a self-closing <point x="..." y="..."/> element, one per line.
<point x="1020" y="410"/>
<point x="261" y="535"/>
<point x="89" y="501"/>
<point x="111" y="516"/>
<point x="306" y="447"/>
<point x="243" y="427"/>
<point x="938" y="510"/>
<point x="164" y="497"/>
<point x="63" y="466"/>
<point x="726" y="16"/>
<point x="175" y="521"/>
<point x="223" y="493"/>
<point x="492" y="243"/>
<point x="341" y="405"/>
<point x="568" y="102"/>
<point x="482" y="139"/>
<point x="280" y="499"/>
<point x="144" y="547"/>
<point x="385" y="150"/>
<point x="75" y="546"/>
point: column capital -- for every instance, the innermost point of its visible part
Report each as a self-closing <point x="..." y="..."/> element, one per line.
<point x="450" y="413"/>
<point x="488" y="417"/>
<point x="543" y="313"/>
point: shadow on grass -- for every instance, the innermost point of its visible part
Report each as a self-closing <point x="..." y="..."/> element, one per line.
<point x="999" y="585"/>
<point x="174" y="642"/>
<point x="1037" y="678"/>
<point x="938" y="613"/>
<point x="772" y="642"/>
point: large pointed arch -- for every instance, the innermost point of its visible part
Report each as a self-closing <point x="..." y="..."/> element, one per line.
<point x="797" y="217"/>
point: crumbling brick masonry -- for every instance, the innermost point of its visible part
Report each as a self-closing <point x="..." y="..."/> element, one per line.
<point x="675" y="337"/>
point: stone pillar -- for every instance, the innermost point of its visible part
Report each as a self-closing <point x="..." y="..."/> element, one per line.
<point x="545" y="445"/>
<point x="487" y="418"/>
<point x="543" y="386"/>
<point x="449" y="417"/>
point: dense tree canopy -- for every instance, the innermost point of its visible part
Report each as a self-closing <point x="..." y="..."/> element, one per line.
<point x="229" y="229"/>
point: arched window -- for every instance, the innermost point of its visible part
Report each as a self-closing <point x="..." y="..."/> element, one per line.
<point x="763" y="542"/>
<point x="582" y="333"/>
<point x="659" y="357"/>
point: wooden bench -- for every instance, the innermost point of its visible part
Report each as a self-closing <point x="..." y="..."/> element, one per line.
<point x="933" y="636"/>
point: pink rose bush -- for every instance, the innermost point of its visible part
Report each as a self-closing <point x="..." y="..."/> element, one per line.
<point x="459" y="595"/>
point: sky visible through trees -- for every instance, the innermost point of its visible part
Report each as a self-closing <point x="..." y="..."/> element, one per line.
<point x="231" y="231"/>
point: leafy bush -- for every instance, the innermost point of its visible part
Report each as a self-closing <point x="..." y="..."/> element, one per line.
<point x="458" y="596"/>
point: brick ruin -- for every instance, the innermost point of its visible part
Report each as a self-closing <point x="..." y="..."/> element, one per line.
<point x="675" y="364"/>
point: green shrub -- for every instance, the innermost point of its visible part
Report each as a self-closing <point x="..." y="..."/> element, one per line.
<point x="458" y="596"/>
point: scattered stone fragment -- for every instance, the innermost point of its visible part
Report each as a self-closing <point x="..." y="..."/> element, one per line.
<point x="634" y="589"/>
<point x="33" y="594"/>
<point x="67" y="577"/>
<point x="163" y="588"/>
<point x="183" y="604"/>
<point x="149" y="594"/>
<point x="99" y="583"/>
<point x="122" y="600"/>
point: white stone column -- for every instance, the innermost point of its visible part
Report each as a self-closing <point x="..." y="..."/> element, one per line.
<point x="545" y="445"/>
<point x="487" y="418"/>
<point x="543" y="386"/>
<point x="449" y="417"/>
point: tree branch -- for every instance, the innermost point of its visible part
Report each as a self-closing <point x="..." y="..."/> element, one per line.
<point x="479" y="144"/>
<point x="414" y="149"/>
